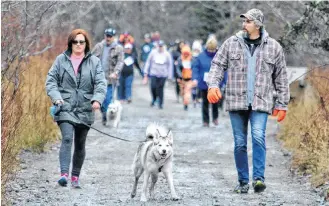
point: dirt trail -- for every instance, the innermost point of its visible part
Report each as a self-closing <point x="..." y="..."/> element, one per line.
<point x="204" y="169"/>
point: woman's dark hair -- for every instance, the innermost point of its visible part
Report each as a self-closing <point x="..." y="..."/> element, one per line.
<point x="72" y="36"/>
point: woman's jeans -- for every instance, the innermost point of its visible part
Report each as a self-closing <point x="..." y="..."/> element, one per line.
<point x="239" y="121"/>
<point x="125" y="87"/>
<point x="77" y="134"/>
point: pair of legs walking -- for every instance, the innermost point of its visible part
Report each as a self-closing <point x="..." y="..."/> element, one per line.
<point x="72" y="133"/>
<point x="157" y="90"/>
<point x="205" y="109"/>
<point x="107" y="101"/>
<point x="125" y="88"/>
<point x="239" y="122"/>
<point x="186" y="91"/>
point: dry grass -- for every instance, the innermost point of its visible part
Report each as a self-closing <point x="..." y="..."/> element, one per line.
<point x="25" y="118"/>
<point x="306" y="129"/>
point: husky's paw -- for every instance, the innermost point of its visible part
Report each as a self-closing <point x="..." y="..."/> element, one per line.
<point x="175" y="198"/>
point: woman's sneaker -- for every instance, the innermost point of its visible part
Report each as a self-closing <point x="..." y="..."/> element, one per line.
<point x="242" y="188"/>
<point x="259" y="186"/>
<point x="63" y="180"/>
<point x="75" y="182"/>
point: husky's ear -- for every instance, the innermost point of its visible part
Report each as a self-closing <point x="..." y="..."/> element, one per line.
<point x="170" y="137"/>
<point x="156" y="137"/>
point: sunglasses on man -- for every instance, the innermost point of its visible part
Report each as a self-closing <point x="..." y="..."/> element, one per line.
<point x="109" y="36"/>
<point x="75" y="42"/>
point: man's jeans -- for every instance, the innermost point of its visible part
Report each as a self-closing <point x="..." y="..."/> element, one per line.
<point x="239" y="121"/>
<point x="108" y="99"/>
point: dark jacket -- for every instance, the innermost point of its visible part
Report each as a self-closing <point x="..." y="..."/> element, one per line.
<point x="200" y="66"/>
<point x="146" y="48"/>
<point x="78" y="92"/>
<point x="128" y="67"/>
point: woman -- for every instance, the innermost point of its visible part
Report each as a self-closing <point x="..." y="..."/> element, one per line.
<point x="159" y="67"/>
<point x="127" y="74"/>
<point x="184" y="71"/>
<point x="77" y="85"/>
<point x="175" y="55"/>
<point x="201" y="67"/>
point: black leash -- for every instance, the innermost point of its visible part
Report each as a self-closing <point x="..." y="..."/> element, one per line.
<point x="59" y="109"/>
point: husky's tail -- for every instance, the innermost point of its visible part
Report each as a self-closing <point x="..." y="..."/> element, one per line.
<point x="151" y="131"/>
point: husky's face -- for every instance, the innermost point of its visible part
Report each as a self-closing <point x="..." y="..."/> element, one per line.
<point x="113" y="108"/>
<point x="164" y="144"/>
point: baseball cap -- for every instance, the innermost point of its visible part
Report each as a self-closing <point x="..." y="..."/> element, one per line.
<point x="110" y="31"/>
<point x="255" y="15"/>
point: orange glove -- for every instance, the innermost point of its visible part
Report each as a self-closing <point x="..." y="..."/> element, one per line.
<point x="214" y="95"/>
<point x="280" y="113"/>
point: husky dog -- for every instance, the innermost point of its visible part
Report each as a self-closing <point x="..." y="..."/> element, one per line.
<point x="113" y="113"/>
<point x="154" y="156"/>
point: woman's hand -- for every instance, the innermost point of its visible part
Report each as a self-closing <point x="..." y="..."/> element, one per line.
<point x="96" y="105"/>
<point x="145" y="80"/>
<point x="59" y="102"/>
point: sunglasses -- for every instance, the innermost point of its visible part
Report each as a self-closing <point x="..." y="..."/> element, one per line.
<point x="109" y="36"/>
<point x="75" y="42"/>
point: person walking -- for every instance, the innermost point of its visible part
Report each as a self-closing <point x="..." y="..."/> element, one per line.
<point x="146" y="48"/>
<point x="76" y="85"/>
<point x="256" y="68"/>
<point x="159" y="67"/>
<point x="111" y="54"/>
<point x="127" y="74"/>
<point x="184" y="71"/>
<point x="201" y="67"/>
<point x="196" y="51"/>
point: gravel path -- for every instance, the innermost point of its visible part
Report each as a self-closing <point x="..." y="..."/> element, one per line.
<point x="204" y="171"/>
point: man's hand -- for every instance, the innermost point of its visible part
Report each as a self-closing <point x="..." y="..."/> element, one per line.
<point x="59" y="102"/>
<point x="214" y="95"/>
<point x="145" y="80"/>
<point x="96" y="105"/>
<point x="280" y="113"/>
<point x="113" y="75"/>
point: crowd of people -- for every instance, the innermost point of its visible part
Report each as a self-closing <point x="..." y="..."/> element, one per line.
<point x="248" y="68"/>
<point x="184" y="63"/>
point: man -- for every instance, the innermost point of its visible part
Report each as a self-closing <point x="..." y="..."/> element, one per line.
<point x="111" y="55"/>
<point x="159" y="67"/>
<point x="256" y="68"/>
<point x="146" y="48"/>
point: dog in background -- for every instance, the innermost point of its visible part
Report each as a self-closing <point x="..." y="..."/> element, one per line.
<point x="113" y="113"/>
<point x="153" y="156"/>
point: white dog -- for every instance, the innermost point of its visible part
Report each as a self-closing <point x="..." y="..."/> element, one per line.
<point x="113" y="113"/>
<point x="154" y="156"/>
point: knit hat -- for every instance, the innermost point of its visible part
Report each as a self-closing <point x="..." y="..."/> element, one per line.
<point x="196" y="48"/>
<point x="211" y="44"/>
<point x="255" y="15"/>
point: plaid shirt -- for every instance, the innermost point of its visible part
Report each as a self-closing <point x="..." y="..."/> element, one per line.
<point x="271" y="75"/>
